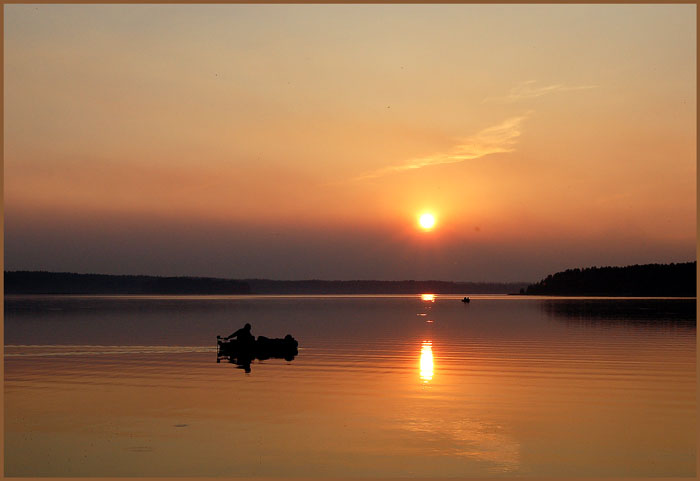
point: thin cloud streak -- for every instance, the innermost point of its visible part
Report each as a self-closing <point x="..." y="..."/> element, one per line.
<point x="500" y="138"/>
<point x="527" y="90"/>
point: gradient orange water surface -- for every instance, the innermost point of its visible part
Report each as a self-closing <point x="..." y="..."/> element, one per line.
<point x="499" y="387"/>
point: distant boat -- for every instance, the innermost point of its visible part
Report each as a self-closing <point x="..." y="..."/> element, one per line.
<point x="466" y="300"/>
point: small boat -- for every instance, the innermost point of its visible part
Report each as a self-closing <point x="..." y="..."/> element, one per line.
<point x="261" y="349"/>
<point x="466" y="300"/>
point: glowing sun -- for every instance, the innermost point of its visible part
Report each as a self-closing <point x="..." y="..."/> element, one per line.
<point x="427" y="221"/>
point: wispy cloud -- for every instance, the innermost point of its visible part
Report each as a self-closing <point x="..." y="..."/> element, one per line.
<point x="492" y="140"/>
<point x="528" y="90"/>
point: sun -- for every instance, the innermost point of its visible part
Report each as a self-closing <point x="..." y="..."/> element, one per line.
<point x="427" y="221"/>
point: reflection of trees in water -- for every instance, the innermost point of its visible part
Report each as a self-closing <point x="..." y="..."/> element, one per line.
<point x="670" y="312"/>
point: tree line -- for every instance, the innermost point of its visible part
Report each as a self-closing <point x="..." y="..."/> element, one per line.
<point x="43" y="282"/>
<point x="647" y="280"/>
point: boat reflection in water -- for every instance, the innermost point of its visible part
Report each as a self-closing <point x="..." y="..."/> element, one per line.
<point x="426" y="361"/>
<point x="242" y="355"/>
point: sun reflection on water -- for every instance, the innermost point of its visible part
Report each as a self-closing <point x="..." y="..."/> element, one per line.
<point x="428" y="297"/>
<point x="426" y="361"/>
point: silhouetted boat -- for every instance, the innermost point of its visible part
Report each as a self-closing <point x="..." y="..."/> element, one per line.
<point x="466" y="300"/>
<point x="262" y="348"/>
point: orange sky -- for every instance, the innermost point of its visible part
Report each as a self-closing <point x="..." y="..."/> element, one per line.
<point x="298" y="141"/>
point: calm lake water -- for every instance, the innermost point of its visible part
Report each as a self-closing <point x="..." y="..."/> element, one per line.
<point x="382" y="386"/>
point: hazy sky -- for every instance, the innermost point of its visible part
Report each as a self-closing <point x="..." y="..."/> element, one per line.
<point x="303" y="141"/>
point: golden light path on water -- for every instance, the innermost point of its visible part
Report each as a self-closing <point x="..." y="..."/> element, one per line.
<point x="426" y="361"/>
<point x="428" y="297"/>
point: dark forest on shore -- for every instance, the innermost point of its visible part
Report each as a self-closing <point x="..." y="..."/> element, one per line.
<point x="647" y="280"/>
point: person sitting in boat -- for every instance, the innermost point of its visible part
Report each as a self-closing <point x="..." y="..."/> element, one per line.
<point x="243" y="335"/>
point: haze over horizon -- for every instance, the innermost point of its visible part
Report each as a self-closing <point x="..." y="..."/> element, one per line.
<point x="304" y="141"/>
